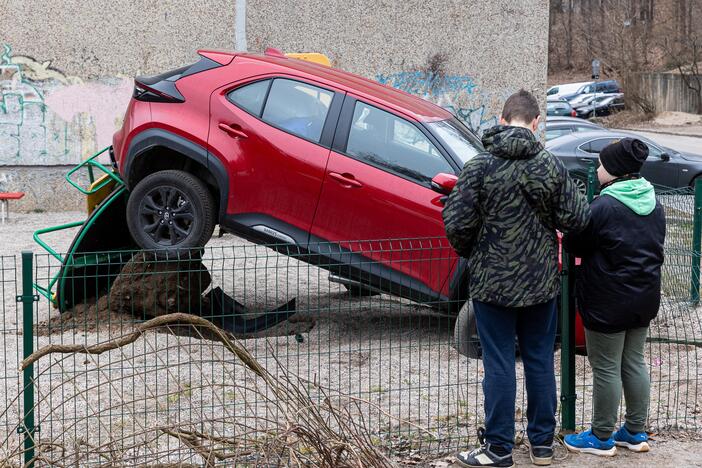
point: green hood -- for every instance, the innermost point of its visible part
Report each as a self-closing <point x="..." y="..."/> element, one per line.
<point x="637" y="194"/>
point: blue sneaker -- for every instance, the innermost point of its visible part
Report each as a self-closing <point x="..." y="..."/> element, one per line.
<point x="635" y="442"/>
<point x="587" y="442"/>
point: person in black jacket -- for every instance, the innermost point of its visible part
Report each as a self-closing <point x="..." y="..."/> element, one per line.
<point x="619" y="292"/>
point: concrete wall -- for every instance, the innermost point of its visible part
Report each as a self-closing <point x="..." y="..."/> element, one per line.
<point x="666" y="91"/>
<point x="66" y="66"/>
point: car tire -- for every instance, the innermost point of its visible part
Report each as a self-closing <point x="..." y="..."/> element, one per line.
<point x="171" y="210"/>
<point x="360" y="291"/>
<point x="580" y="184"/>
<point x="465" y="332"/>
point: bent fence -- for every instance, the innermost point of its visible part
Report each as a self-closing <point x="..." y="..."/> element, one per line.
<point x="299" y="369"/>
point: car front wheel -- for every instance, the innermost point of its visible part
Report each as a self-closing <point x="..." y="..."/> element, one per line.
<point x="171" y="210"/>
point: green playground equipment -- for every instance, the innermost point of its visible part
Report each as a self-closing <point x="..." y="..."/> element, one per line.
<point x="95" y="256"/>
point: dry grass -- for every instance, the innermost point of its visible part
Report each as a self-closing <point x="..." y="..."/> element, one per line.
<point x="304" y="425"/>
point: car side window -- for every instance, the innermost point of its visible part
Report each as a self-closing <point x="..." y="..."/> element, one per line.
<point x="555" y="133"/>
<point x="654" y="151"/>
<point x="298" y="108"/>
<point x="389" y="142"/>
<point x="595" y="146"/>
<point x="250" y="97"/>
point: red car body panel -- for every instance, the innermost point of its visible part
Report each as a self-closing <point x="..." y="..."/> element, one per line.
<point x="272" y="172"/>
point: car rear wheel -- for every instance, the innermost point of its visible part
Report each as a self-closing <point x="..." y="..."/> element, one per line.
<point x="465" y="332"/>
<point x="580" y="184"/>
<point x="171" y="210"/>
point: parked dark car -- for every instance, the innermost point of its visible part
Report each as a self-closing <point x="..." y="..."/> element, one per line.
<point x="559" y="126"/>
<point x="664" y="167"/>
<point x="599" y="87"/>
<point x="559" y="107"/>
<point x="606" y="104"/>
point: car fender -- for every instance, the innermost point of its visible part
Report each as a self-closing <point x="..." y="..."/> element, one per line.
<point x="158" y="137"/>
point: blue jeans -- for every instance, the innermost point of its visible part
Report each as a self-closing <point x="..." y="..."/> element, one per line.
<point x="535" y="328"/>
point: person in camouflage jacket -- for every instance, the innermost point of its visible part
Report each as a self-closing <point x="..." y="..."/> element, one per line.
<point x="503" y="216"/>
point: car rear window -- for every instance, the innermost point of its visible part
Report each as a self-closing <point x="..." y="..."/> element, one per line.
<point x="250" y="97"/>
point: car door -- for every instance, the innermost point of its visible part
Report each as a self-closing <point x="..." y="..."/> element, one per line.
<point x="273" y="134"/>
<point x="378" y="188"/>
<point x="660" y="168"/>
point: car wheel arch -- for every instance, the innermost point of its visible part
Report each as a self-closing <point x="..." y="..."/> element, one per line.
<point x="156" y="149"/>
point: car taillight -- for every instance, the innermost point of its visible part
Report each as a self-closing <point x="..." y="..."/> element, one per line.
<point x="573" y="113"/>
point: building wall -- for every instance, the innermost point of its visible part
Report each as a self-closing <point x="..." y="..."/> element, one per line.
<point x="66" y="66"/>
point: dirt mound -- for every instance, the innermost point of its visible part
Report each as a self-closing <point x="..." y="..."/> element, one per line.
<point x="86" y="318"/>
<point x="149" y="287"/>
<point x="154" y="287"/>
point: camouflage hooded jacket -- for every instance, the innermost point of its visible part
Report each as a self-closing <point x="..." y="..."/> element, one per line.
<point x="503" y="215"/>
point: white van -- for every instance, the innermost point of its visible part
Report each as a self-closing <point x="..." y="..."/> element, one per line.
<point x="555" y="92"/>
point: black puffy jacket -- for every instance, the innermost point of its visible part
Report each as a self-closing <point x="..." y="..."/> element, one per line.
<point x="618" y="285"/>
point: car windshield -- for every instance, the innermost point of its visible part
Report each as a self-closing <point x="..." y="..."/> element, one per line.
<point x="457" y="138"/>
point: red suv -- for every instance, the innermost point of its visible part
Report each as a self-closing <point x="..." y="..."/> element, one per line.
<point x="279" y="150"/>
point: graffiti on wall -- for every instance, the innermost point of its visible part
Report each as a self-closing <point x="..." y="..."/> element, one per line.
<point x="460" y="95"/>
<point x="49" y="118"/>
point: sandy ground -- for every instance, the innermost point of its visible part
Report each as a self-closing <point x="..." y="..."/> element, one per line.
<point x="393" y="355"/>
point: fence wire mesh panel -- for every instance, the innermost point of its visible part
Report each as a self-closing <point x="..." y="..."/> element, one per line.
<point x="675" y="337"/>
<point x="248" y="355"/>
<point x="349" y="346"/>
<point x="11" y="342"/>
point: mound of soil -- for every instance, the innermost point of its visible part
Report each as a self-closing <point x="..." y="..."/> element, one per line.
<point x="152" y="287"/>
<point x="148" y="287"/>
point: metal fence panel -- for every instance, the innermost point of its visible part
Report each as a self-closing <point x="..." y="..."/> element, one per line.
<point x="347" y="364"/>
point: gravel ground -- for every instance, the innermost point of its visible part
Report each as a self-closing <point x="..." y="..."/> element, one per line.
<point x="394" y="355"/>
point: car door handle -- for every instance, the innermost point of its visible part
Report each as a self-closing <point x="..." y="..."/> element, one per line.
<point x="588" y="160"/>
<point x="347" y="180"/>
<point x="233" y="130"/>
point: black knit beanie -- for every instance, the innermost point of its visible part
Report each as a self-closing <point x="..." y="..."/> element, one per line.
<point x="626" y="156"/>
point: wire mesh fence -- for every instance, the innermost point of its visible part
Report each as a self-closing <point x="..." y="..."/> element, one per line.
<point x="389" y="357"/>
<point x="10" y="340"/>
<point x="326" y="351"/>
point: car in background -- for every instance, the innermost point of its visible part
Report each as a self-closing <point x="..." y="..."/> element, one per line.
<point x="559" y="126"/>
<point x="558" y="107"/>
<point x="557" y="91"/>
<point x="664" y="167"/>
<point x="603" y="105"/>
<point x="598" y="87"/>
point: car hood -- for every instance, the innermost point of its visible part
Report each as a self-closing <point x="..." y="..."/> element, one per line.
<point x="691" y="156"/>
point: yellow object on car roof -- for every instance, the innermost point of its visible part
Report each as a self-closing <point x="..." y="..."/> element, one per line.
<point x="312" y="57"/>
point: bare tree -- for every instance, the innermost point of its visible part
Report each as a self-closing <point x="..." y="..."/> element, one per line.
<point x="686" y="57"/>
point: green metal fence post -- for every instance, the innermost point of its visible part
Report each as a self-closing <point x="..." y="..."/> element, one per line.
<point x="568" y="395"/>
<point x="696" y="241"/>
<point x="591" y="181"/>
<point x="28" y="298"/>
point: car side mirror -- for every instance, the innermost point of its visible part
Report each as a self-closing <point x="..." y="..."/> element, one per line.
<point x="665" y="157"/>
<point x="443" y="183"/>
